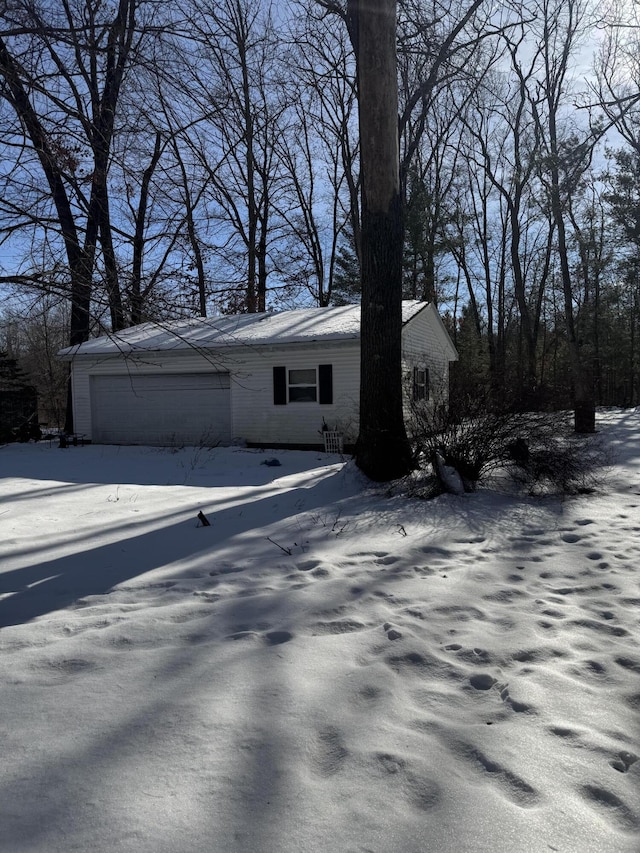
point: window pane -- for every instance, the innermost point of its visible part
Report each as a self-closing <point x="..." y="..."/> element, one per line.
<point x="302" y="393"/>
<point x="302" y="377"/>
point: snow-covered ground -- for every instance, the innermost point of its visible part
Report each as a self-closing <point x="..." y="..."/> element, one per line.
<point x="323" y="668"/>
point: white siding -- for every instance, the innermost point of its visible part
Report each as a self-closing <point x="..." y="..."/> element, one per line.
<point x="424" y="343"/>
<point x="258" y="420"/>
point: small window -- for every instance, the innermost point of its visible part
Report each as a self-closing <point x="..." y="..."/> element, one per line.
<point x="420" y="383"/>
<point x="303" y="386"/>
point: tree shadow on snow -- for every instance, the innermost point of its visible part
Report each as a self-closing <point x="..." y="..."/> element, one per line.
<point x="55" y="584"/>
<point x="156" y="466"/>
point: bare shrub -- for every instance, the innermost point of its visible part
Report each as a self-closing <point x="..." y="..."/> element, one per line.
<point x="540" y="450"/>
<point x="566" y="463"/>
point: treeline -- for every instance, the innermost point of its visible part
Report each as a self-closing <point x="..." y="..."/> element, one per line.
<point x="163" y="159"/>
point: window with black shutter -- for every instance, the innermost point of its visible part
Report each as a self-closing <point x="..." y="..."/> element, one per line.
<point x="303" y="385"/>
<point x="420" y="383"/>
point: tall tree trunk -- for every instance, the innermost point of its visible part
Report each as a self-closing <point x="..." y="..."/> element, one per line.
<point x="137" y="307"/>
<point x="382" y="451"/>
<point x="579" y="351"/>
<point x="581" y="368"/>
<point x="99" y="127"/>
<point x="112" y="279"/>
<point x="80" y="263"/>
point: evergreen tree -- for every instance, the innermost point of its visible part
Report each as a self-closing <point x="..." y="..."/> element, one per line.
<point x="347" y="286"/>
<point x="18" y="402"/>
<point x="623" y="376"/>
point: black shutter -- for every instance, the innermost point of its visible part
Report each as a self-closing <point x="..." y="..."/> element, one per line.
<point x="325" y="383"/>
<point x="280" y="386"/>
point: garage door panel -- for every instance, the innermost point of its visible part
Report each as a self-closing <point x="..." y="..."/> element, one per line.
<point x="161" y="409"/>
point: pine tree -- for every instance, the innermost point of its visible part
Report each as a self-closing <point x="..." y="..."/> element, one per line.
<point x="18" y="401"/>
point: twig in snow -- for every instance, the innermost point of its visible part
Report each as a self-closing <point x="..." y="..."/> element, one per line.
<point x="277" y="544"/>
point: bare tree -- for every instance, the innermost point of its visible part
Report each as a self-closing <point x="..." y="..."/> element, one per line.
<point x="563" y="21"/>
<point x="62" y="70"/>
<point x="505" y="150"/>
<point x="62" y="75"/>
<point x="235" y="89"/>
<point x="617" y="86"/>
<point x="439" y="45"/>
<point x="319" y="152"/>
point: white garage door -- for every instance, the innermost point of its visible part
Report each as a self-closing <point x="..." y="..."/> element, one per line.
<point x="167" y="409"/>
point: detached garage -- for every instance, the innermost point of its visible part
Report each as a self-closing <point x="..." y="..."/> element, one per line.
<point x="268" y="379"/>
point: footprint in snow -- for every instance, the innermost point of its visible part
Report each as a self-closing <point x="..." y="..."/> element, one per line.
<point x="321" y="572"/>
<point x="633" y="701"/>
<point x="629" y="663"/>
<point x="277" y="638"/>
<point x="504" y="596"/>
<point x="600" y="627"/>
<point x="69" y="666"/>
<point x="392" y="633"/>
<point x="459" y="613"/>
<point x="187" y="615"/>
<point x="386" y="560"/>
<point x="514" y="787"/>
<point x="482" y="681"/>
<point x="328" y="751"/>
<point x="611" y="807"/>
<point x="518" y="707"/>
<point x="623" y="761"/>
<point x="308" y="565"/>
<point x="225" y="570"/>
<point x="570" y="538"/>
<point x="436" y="553"/>
<point x="564" y="732"/>
<point x="209" y="597"/>
<point x="390" y="764"/>
<point x="424" y="571"/>
<point x="369" y="696"/>
<point x="91" y="623"/>
<point x="420" y="790"/>
<point x="338" y="626"/>
<point x="553" y="614"/>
